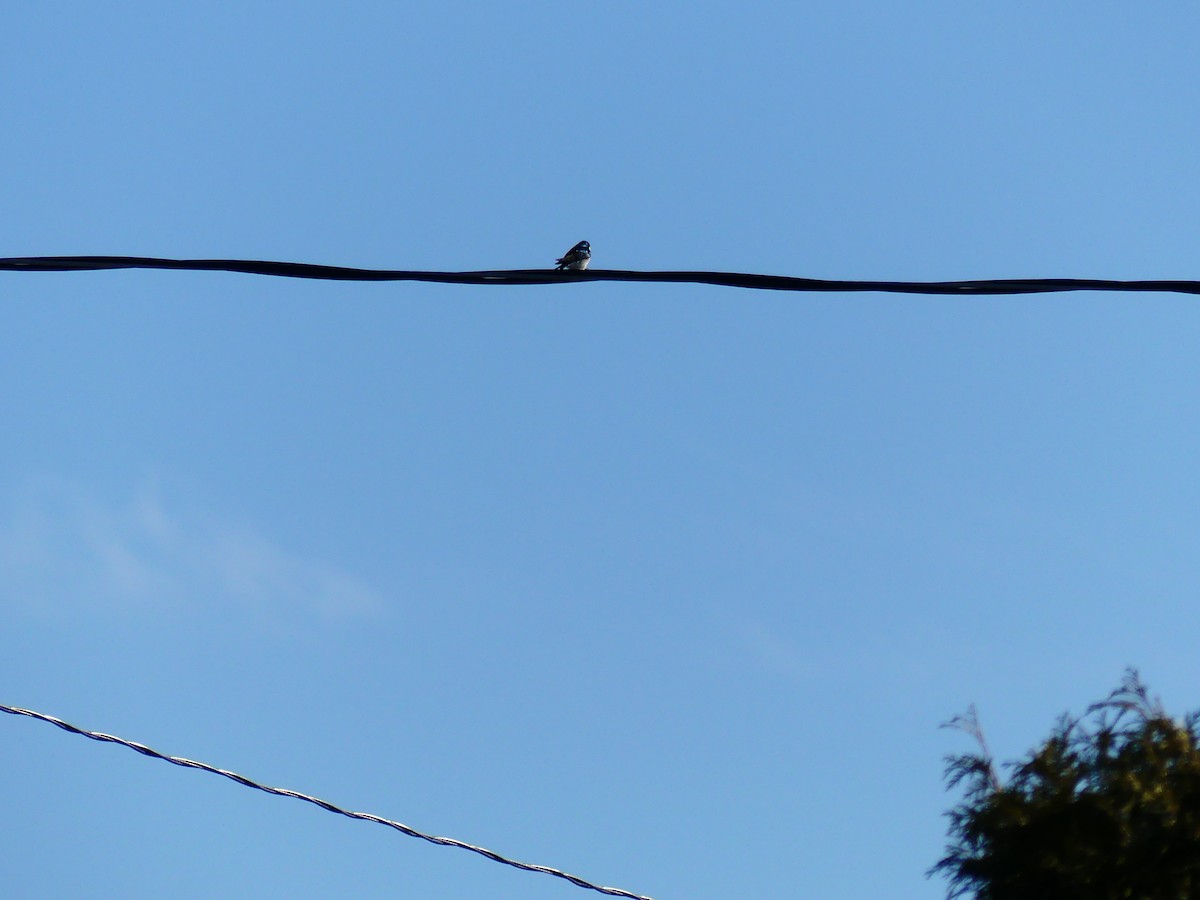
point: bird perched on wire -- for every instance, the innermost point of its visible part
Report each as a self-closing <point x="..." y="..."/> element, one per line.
<point x="576" y="258"/>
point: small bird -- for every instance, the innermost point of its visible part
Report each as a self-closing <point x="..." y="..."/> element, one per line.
<point x="576" y="258"/>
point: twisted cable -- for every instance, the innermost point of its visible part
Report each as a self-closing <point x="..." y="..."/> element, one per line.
<point x="324" y="804"/>
<point x="550" y="276"/>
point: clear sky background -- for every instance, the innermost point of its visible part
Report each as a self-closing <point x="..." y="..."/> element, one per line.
<point x="668" y="586"/>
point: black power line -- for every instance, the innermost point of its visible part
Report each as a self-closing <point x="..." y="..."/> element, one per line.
<point x="550" y="276"/>
<point x="324" y="804"/>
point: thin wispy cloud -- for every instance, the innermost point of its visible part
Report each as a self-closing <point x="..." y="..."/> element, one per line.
<point x="771" y="650"/>
<point x="61" y="547"/>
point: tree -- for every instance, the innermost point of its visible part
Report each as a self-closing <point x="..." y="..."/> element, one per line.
<point x="1108" y="807"/>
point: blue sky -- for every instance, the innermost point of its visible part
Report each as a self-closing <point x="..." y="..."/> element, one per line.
<point x="668" y="586"/>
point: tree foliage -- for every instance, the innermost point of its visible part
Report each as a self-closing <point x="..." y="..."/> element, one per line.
<point x="1108" y="807"/>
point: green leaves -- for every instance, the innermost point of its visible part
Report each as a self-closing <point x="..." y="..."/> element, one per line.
<point x="1107" y="807"/>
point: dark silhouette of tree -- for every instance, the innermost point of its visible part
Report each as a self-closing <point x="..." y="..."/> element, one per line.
<point x="1108" y="807"/>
